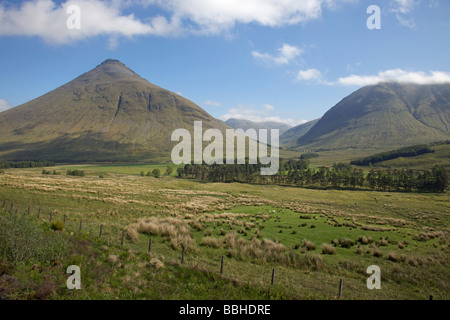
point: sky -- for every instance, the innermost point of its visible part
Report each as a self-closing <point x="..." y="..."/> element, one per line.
<point x="261" y="60"/>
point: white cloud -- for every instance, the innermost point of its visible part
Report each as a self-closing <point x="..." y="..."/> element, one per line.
<point x="213" y="16"/>
<point x="4" y="105"/>
<point x="406" y="22"/>
<point x="393" y="75"/>
<point x="403" y="6"/>
<point x="47" y="18"/>
<point x="212" y="103"/>
<point x="403" y="10"/>
<point x="309" y="75"/>
<point x="396" y="75"/>
<point x="285" y="55"/>
<point x="258" y="115"/>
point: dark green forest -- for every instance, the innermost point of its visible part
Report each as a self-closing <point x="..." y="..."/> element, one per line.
<point x="341" y="175"/>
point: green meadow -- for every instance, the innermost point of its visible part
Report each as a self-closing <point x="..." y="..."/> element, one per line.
<point x="312" y="238"/>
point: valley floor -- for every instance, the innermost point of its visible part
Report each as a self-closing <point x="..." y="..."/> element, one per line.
<point x="310" y="239"/>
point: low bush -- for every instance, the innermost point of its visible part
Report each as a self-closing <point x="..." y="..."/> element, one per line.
<point x="57" y="225"/>
<point x="23" y="240"/>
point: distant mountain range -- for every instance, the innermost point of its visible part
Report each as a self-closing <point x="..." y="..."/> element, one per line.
<point x="108" y="113"/>
<point x="247" y="124"/>
<point x="290" y="137"/>
<point x="111" y="113"/>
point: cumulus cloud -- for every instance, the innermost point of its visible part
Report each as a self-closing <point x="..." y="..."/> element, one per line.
<point x="265" y="114"/>
<point x="47" y="18"/>
<point x="285" y="55"/>
<point x="213" y="16"/>
<point x="397" y="75"/>
<point x="4" y="105"/>
<point x="309" y="75"/>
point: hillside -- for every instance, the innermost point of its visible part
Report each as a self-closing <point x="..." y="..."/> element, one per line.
<point x="440" y="157"/>
<point x="108" y="113"/>
<point x="290" y="137"/>
<point x="383" y="117"/>
<point x="247" y="124"/>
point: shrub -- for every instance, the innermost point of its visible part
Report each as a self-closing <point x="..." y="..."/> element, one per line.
<point x="142" y="174"/>
<point x="384" y="243"/>
<point x="57" y="225"/>
<point x="76" y="172"/>
<point x="335" y="242"/>
<point x="101" y="176"/>
<point x="23" y="240"/>
<point x="327" y="249"/>
<point x="156" y="173"/>
<point x="312" y="226"/>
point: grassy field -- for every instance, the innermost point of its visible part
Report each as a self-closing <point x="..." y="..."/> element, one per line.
<point x="255" y="228"/>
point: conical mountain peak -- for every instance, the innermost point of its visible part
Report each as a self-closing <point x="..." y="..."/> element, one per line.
<point x="107" y="113"/>
<point x="109" y="70"/>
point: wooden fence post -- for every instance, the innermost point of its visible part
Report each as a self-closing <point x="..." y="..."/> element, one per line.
<point x="28" y="209"/>
<point x="39" y="213"/>
<point x="101" y="228"/>
<point x="4" y="200"/>
<point x="150" y="245"/>
<point x="123" y="236"/>
<point x="221" y="266"/>
<point x="81" y="224"/>
<point x="51" y="216"/>
<point x="341" y="283"/>
<point x="10" y="209"/>
<point x="273" y="276"/>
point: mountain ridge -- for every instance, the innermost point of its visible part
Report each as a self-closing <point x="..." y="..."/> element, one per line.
<point x="382" y="116"/>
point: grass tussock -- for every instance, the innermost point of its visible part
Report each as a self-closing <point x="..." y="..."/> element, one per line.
<point x="328" y="249"/>
<point x="176" y="230"/>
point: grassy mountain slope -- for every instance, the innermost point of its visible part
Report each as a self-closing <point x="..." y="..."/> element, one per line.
<point x="383" y="117"/>
<point x="108" y="113"/>
<point x="290" y="137"/>
<point x="440" y="157"/>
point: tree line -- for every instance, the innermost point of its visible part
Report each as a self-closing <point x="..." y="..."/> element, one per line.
<point x="341" y="175"/>
<point x="25" y="164"/>
<point x="389" y="155"/>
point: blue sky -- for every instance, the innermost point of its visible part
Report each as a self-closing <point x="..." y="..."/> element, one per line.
<point x="286" y="60"/>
